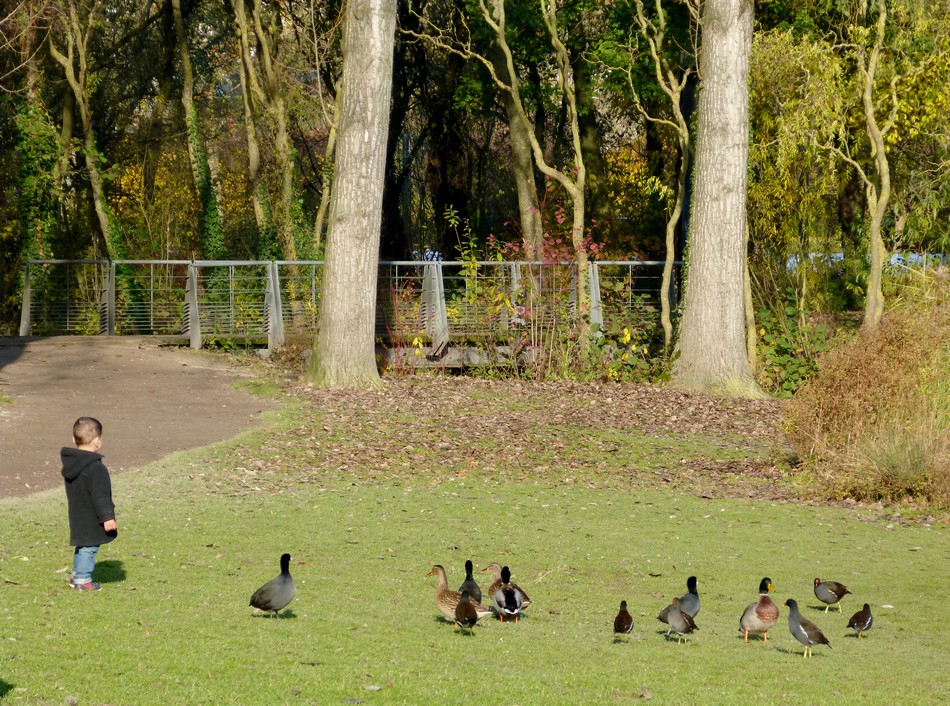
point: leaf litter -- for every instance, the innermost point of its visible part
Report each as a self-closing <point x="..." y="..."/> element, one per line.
<point x="434" y="430"/>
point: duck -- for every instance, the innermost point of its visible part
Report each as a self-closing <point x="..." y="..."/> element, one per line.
<point x="830" y="592"/>
<point x="688" y="603"/>
<point x="862" y="620"/>
<point x="466" y="614"/>
<point x="508" y="598"/>
<point x="805" y="631"/>
<point x="446" y="600"/>
<point x="623" y="623"/>
<point x="761" y="616"/>
<point x="276" y="594"/>
<point x="469" y="584"/>
<point x="680" y="622"/>
<point x="495" y="569"/>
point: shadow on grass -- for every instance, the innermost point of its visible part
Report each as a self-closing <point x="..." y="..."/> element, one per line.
<point x="821" y="608"/>
<point x="797" y="653"/>
<point x="109" y="571"/>
<point x="5" y="688"/>
<point x="280" y="615"/>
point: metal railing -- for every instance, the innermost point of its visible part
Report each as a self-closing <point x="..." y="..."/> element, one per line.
<point x="438" y="303"/>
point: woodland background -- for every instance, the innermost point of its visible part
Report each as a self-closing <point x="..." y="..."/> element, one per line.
<point x="198" y="129"/>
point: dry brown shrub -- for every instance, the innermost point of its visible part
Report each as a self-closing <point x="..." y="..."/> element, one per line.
<point x="874" y="423"/>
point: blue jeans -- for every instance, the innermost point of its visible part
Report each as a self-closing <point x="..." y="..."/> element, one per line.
<point x="84" y="561"/>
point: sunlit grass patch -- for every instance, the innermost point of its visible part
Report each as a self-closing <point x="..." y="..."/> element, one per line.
<point x="200" y="531"/>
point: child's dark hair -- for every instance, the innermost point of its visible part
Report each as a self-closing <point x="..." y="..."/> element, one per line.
<point x="86" y="430"/>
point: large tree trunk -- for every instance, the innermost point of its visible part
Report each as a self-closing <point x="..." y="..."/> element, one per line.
<point x="712" y="343"/>
<point x="344" y="351"/>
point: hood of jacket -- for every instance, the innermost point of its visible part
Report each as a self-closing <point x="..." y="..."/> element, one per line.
<point x="75" y="460"/>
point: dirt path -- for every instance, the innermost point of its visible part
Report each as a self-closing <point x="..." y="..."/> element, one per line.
<point x="151" y="400"/>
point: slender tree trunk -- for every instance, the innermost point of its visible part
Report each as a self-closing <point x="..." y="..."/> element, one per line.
<point x="655" y="35"/>
<point x="712" y="342"/>
<point x="344" y="350"/>
<point x="879" y="194"/>
<point x="212" y="231"/>
<point x="155" y="123"/>
<point x="67" y="153"/>
<point x="75" y="66"/>
<point x="249" y="86"/>
<point x="522" y="164"/>
<point x="598" y="204"/>
<point x="328" y="159"/>
<point x="276" y="106"/>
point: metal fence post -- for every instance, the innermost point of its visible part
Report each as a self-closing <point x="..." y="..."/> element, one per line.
<point x="191" y="306"/>
<point x="274" y="307"/>
<point x="596" y="307"/>
<point x="109" y="296"/>
<point x="25" y="322"/>
<point x="433" y="312"/>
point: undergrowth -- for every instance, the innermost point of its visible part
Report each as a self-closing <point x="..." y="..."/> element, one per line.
<point x="874" y="424"/>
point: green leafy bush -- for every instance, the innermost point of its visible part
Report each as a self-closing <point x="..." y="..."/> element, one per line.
<point x="789" y="347"/>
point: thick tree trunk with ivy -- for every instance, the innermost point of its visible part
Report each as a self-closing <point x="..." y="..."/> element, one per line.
<point x="712" y="342"/>
<point x="344" y="353"/>
<point x="211" y="228"/>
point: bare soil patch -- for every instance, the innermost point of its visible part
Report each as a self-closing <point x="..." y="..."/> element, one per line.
<point x="151" y="399"/>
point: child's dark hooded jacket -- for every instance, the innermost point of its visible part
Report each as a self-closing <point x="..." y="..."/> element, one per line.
<point x="89" y="492"/>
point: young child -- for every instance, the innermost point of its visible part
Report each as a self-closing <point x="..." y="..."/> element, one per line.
<point x="89" y="492"/>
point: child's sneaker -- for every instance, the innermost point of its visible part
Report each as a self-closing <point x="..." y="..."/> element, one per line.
<point x="86" y="586"/>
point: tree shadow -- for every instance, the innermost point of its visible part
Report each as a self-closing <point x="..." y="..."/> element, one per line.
<point x="5" y="688"/>
<point x="109" y="571"/>
<point x="11" y="348"/>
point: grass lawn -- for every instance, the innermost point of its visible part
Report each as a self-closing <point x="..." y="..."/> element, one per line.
<point x="200" y="531"/>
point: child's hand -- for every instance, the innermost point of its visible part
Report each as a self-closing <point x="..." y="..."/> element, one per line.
<point x="109" y="526"/>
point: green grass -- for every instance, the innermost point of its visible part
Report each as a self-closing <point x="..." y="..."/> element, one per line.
<point x="172" y="624"/>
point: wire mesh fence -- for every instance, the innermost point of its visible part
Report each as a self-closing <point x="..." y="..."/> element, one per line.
<point x="430" y="303"/>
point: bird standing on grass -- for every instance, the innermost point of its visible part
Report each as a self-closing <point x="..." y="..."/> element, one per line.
<point x="276" y="594"/>
<point x="446" y="600"/>
<point x="623" y="623"/>
<point x="688" y="603"/>
<point x="508" y="599"/>
<point x="493" y="587"/>
<point x="465" y="613"/>
<point x="862" y="620"/>
<point x="830" y="592"/>
<point x="761" y="616"/>
<point x="469" y="584"/>
<point x="805" y="631"/>
<point x="680" y="622"/>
